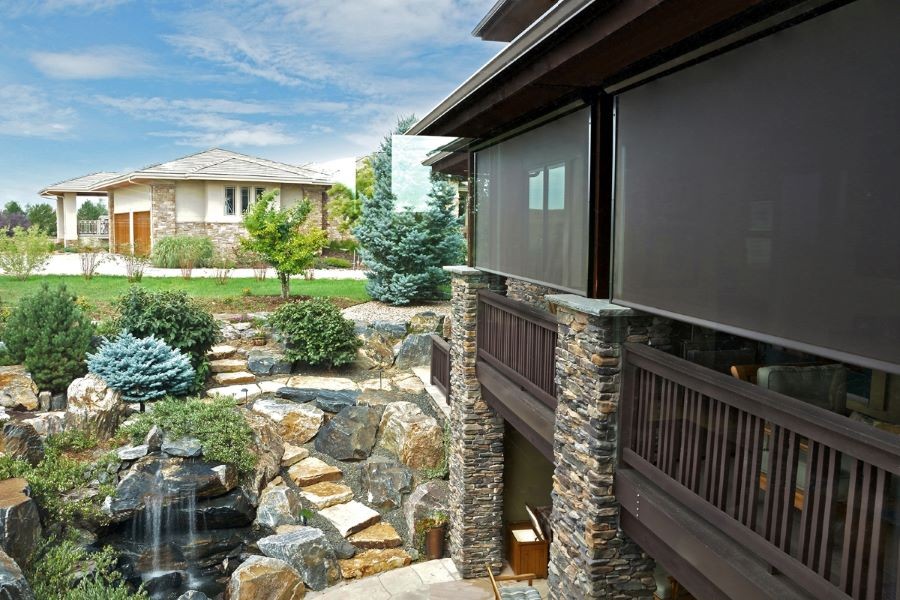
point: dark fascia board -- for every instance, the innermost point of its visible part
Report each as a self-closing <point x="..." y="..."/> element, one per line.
<point x="509" y="18"/>
<point x="560" y="15"/>
<point x="607" y="43"/>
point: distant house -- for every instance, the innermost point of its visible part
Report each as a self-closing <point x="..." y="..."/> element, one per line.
<point x="204" y="194"/>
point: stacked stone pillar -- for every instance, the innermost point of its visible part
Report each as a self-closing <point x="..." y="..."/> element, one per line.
<point x="590" y="557"/>
<point x="476" y="440"/>
<point x="162" y="211"/>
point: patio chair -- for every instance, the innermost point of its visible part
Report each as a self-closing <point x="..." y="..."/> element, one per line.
<point x="519" y="592"/>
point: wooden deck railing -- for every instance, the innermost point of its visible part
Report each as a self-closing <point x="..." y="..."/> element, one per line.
<point x="440" y="364"/>
<point x="98" y="228"/>
<point x="520" y="342"/>
<point x="810" y="492"/>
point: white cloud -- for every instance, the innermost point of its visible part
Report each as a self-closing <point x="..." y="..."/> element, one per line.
<point x="102" y="62"/>
<point x="26" y="112"/>
<point x="207" y="121"/>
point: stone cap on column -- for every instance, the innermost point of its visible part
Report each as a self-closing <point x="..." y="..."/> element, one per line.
<point x="590" y="306"/>
<point x="463" y="271"/>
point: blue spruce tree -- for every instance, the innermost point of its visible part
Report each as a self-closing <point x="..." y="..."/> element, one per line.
<point x="405" y="251"/>
<point x="142" y="369"/>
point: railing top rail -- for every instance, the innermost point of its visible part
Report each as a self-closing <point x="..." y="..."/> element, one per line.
<point x="439" y="341"/>
<point x="520" y="309"/>
<point x="862" y="441"/>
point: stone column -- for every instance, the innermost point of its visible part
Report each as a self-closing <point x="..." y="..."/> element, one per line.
<point x="590" y="557"/>
<point x="162" y="211"/>
<point x="476" y="441"/>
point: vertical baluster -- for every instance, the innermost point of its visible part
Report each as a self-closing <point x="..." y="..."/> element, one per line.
<point x="663" y="424"/>
<point x="772" y="509"/>
<point x="686" y="436"/>
<point x="873" y="564"/>
<point x="722" y="455"/>
<point x="697" y="445"/>
<point x="739" y="464"/>
<point x="850" y="525"/>
<point x="789" y="489"/>
<point x="706" y="485"/>
<point x="818" y="508"/>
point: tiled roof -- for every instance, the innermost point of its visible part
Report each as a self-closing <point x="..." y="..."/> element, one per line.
<point x="85" y="183"/>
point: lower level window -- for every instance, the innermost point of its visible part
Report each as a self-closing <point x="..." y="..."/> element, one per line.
<point x="245" y="200"/>
<point x="229" y="201"/>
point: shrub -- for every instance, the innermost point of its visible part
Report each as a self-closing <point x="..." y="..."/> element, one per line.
<point x="218" y="424"/>
<point x="142" y="369"/>
<point x="63" y="570"/>
<point x="171" y="317"/>
<point x="223" y="266"/>
<point x="183" y="251"/>
<point x="134" y="264"/>
<point x="332" y="262"/>
<point x="24" y="252"/>
<point x="316" y="332"/>
<point x="50" y="335"/>
<point x="91" y="256"/>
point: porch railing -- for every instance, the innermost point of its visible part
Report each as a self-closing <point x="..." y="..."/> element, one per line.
<point x="98" y="228"/>
<point x="440" y="364"/>
<point x="520" y="342"/>
<point x="810" y="492"/>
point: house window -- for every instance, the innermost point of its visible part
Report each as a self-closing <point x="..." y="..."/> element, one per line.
<point x="260" y="192"/>
<point x="245" y="200"/>
<point x="229" y="201"/>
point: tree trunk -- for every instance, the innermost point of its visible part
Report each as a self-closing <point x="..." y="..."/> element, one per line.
<point x="285" y="285"/>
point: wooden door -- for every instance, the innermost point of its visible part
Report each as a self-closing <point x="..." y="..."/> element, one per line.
<point x="122" y="232"/>
<point x="142" y="233"/>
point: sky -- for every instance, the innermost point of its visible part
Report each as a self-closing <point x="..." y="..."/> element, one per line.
<point x="115" y="85"/>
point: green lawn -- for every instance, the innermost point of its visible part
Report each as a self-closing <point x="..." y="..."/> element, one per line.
<point x="236" y="295"/>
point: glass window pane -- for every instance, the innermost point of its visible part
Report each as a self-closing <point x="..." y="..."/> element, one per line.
<point x="531" y="198"/>
<point x="259" y="192"/>
<point x="229" y="201"/>
<point x="758" y="190"/>
<point x="556" y="188"/>
<point x="245" y="199"/>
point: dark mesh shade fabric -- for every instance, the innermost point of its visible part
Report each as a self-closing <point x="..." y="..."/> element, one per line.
<point x="758" y="191"/>
<point x="531" y="195"/>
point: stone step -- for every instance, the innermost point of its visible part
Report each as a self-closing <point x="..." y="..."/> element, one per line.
<point x="380" y="535"/>
<point x="293" y="454"/>
<point x="234" y="378"/>
<point x="221" y="351"/>
<point x="371" y="562"/>
<point x="311" y="471"/>
<point x="350" y="517"/>
<point x="326" y="493"/>
<point x="236" y="391"/>
<point x="227" y="365"/>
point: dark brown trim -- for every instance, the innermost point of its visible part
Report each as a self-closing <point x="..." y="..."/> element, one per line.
<point x="526" y="413"/>
<point x="538" y="317"/>
<point x="707" y="563"/>
<point x="601" y="197"/>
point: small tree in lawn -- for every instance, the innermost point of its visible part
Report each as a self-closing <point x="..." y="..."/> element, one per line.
<point x="405" y="251"/>
<point x="278" y="236"/>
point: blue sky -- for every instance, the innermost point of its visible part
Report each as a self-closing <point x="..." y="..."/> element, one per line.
<point x="111" y="85"/>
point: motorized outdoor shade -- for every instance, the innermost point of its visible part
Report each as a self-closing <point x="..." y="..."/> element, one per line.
<point x="531" y="195"/>
<point x="759" y="191"/>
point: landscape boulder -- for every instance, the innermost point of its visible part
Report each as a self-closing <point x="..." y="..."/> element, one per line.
<point x="371" y="562"/>
<point x="48" y="423"/>
<point x="426" y="322"/>
<point x="385" y="482"/>
<point x="93" y="407"/>
<point x="13" y="585"/>
<point x="21" y="440"/>
<point x="278" y="505"/>
<point x="414" y="437"/>
<point x="414" y="351"/>
<point x="296" y="423"/>
<point x="225" y="512"/>
<point x="20" y="523"/>
<point x="186" y="447"/>
<point x="268" y="447"/>
<point x="17" y="389"/>
<point x="193" y="595"/>
<point x="261" y="577"/>
<point x="328" y="400"/>
<point x="351" y="434"/>
<point x="261" y="362"/>
<point x="307" y="550"/>
<point x="132" y="452"/>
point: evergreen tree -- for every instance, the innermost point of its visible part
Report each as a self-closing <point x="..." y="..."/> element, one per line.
<point x="43" y="216"/>
<point x="142" y="369"/>
<point x="405" y="251"/>
<point x="50" y="335"/>
<point x="91" y="211"/>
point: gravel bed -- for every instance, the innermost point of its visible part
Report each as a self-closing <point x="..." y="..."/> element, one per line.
<point x="369" y="312"/>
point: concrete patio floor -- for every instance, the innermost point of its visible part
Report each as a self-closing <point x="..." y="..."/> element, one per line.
<point x="431" y="580"/>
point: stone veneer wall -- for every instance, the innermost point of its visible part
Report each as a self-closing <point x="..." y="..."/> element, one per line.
<point x="590" y="557"/>
<point x="162" y="211"/>
<point x="225" y="236"/>
<point x="476" y="440"/>
<point x="533" y="294"/>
